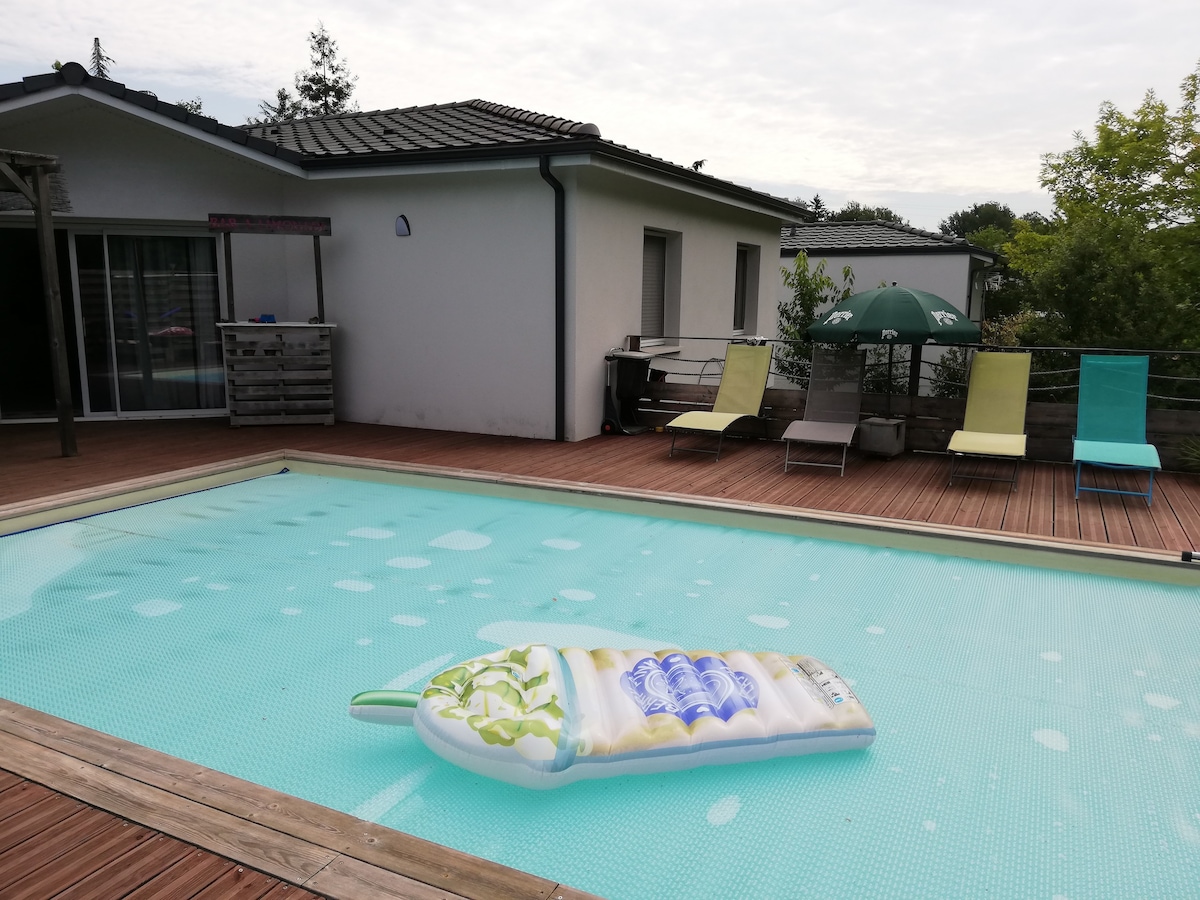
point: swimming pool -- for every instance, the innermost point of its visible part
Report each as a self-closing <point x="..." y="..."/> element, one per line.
<point x="1039" y="728"/>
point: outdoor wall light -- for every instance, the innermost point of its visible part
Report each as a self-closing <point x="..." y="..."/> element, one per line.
<point x="402" y="227"/>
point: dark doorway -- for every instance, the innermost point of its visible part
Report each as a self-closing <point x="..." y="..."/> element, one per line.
<point x="26" y="360"/>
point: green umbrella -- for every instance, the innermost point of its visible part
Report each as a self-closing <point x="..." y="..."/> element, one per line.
<point x="894" y="315"/>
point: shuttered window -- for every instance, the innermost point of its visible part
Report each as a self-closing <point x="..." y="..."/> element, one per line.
<point x="740" y="274"/>
<point x="654" y="285"/>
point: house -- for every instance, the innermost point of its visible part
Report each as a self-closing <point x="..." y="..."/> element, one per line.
<point x="884" y="252"/>
<point x="481" y="259"/>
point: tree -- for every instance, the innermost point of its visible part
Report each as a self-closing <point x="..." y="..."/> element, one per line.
<point x="1142" y="165"/>
<point x="1119" y="265"/>
<point x="854" y="211"/>
<point x="980" y="216"/>
<point x="810" y="290"/>
<point x="284" y="108"/>
<point x="195" y="106"/>
<point x="100" y="61"/>
<point x="819" y="210"/>
<point x="326" y="87"/>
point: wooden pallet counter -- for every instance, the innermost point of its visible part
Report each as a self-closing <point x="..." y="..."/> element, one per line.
<point x="278" y="373"/>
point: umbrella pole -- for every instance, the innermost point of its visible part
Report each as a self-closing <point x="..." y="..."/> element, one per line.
<point x="889" y="382"/>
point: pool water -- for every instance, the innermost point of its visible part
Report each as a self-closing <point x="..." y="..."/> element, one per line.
<point x="1038" y="730"/>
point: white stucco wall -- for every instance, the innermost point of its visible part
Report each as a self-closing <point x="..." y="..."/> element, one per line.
<point x="127" y="176"/>
<point x="948" y="275"/>
<point x="452" y="327"/>
<point x="945" y="274"/>
<point x="609" y="213"/>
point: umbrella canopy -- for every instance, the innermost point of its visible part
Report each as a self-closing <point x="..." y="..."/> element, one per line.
<point x="894" y="315"/>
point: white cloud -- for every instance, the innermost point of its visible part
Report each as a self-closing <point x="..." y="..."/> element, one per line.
<point x="922" y="106"/>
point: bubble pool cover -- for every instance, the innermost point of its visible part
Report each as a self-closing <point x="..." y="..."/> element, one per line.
<point x="1039" y="730"/>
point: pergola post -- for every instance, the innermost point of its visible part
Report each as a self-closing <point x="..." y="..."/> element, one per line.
<point x="13" y="167"/>
<point x="53" y="295"/>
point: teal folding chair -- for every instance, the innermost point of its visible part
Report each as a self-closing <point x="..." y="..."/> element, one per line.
<point x="1110" y="431"/>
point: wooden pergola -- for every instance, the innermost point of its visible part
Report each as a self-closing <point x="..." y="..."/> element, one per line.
<point x="25" y="183"/>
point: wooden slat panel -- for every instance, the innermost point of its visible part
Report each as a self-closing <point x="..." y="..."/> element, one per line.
<point x="129" y="871"/>
<point x="237" y="883"/>
<point x="257" y="407"/>
<point x="191" y="874"/>
<point x="18" y="861"/>
<point x="455" y="872"/>
<point x="345" y="875"/>
<point x="49" y="811"/>
<point x="268" y="850"/>
<point x="80" y="861"/>
<point x="243" y="365"/>
<point x="19" y="798"/>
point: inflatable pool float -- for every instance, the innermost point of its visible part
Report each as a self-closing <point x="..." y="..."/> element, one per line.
<point x="540" y="717"/>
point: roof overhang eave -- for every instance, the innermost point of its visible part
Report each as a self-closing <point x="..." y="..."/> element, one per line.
<point x="145" y="107"/>
<point x="586" y="147"/>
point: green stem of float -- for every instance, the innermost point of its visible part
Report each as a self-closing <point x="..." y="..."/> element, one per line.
<point x="385" y="707"/>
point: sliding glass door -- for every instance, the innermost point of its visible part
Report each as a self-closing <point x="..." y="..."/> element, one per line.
<point x="149" y="307"/>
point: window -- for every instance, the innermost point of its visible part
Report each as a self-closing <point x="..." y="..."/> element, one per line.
<point x="662" y="257"/>
<point x="745" y="289"/>
<point x="654" y="285"/>
<point x="739" y="289"/>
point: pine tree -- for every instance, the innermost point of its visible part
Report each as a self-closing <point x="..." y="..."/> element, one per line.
<point x="285" y="107"/>
<point x="326" y="87"/>
<point x="100" y="62"/>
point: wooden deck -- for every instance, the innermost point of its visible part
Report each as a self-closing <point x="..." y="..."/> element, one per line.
<point x="146" y="821"/>
<point x="52" y="845"/>
<point x="912" y="487"/>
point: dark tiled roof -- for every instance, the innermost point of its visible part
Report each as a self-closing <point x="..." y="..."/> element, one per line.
<point x="469" y="130"/>
<point x="74" y="75"/>
<point x="870" y="237"/>
<point x="442" y="127"/>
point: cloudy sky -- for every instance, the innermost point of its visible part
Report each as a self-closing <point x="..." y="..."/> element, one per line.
<point x="925" y="107"/>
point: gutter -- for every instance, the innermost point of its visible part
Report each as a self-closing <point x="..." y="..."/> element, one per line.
<point x="785" y="209"/>
<point x="560" y="298"/>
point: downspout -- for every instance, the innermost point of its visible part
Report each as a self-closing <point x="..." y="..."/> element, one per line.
<point x="560" y="299"/>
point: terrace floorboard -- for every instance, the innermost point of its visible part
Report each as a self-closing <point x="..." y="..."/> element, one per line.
<point x="72" y="843"/>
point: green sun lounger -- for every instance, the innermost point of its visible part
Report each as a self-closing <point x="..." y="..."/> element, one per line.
<point x="994" y="425"/>
<point x="740" y="394"/>
<point x="1110" y="431"/>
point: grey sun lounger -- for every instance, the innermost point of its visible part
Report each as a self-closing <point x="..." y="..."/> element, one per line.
<point x="832" y="409"/>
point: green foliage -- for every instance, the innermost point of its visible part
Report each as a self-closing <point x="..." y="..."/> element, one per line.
<point x="284" y="108"/>
<point x="1118" y="265"/>
<point x="326" y="87"/>
<point x="980" y="216"/>
<point x="100" y="62"/>
<point x="990" y="237"/>
<point x="854" y="211"/>
<point x="1143" y="166"/>
<point x="1105" y="280"/>
<point x="950" y="373"/>
<point x="1188" y="457"/>
<point x="879" y="379"/>
<point x="195" y="106"/>
<point x="810" y="290"/>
